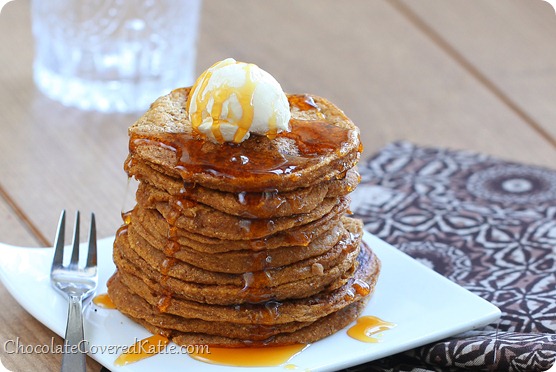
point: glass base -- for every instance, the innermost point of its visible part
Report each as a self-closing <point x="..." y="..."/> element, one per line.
<point x="105" y="96"/>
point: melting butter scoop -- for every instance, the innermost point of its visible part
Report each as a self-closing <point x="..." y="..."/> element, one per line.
<point x="232" y="99"/>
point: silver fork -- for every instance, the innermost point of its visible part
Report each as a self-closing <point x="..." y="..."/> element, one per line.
<point x="77" y="284"/>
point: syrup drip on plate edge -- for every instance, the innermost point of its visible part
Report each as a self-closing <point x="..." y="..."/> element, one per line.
<point x="368" y="326"/>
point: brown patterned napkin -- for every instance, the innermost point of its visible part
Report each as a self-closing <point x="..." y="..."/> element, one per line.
<point x="486" y="224"/>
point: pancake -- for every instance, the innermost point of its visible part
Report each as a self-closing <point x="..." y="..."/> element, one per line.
<point x="192" y="216"/>
<point x="230" y="295"/>
<point x="300" y="235"/>
<point x="322" y="145"/>
<point x="284" y="274"/>
<point x="270" y="312"/>
<point x="241" y="261"/>
<point x="266" y="204"/>
<point x="191" y="331"/>
<point x="135" y="307"/>
<point x="319" y="329"/>
<point x="302" y="279"/>
<point x="187" y="272"/>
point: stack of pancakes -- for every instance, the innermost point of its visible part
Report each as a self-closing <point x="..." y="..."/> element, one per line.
<point x="243" y="244"/>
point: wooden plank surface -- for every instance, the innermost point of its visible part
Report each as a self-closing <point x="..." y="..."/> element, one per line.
<point x="391" y="79"/>
<point x="509" y="43"/>
<point x="13" y="229"/>
<point x="394" y="82"/>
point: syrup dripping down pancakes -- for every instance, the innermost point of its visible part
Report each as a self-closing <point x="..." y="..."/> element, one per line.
<point x="244" y="244"/>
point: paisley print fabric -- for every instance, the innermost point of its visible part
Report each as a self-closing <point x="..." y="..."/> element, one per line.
<point x="486" y="224"/>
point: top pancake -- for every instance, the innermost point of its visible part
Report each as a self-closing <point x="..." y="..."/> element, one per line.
<point x="322" y="145"/>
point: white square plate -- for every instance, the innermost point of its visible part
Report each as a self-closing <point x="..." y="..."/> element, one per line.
<point x="425" y="306"/>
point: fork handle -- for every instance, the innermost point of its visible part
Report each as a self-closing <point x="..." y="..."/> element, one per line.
<point x="75" y="350"/>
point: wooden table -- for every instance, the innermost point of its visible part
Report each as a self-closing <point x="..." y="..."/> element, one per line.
<point x="465" y="74"/>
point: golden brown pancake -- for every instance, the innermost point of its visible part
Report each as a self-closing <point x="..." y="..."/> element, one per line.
<point x="322" y="145"/>
<point x="191" y="331"/>
<point x="270" y="312"/>
<point x="266" y="204"/>
<point x="241" y="261"/>
<point x="192" y="216"/>
<point x="301" y="279"/>
<point x="319" y="329"/>
<point x="272" y="317"/>
<point x="300" y="235"/>
<point x="134" y="306"/>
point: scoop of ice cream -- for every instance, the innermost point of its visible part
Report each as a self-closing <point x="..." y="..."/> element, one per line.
<point x="232" y="99"/>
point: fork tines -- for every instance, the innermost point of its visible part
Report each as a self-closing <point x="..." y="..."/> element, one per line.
<point x="59" y="243"/>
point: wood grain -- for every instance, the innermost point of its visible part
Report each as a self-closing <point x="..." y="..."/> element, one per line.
<point x="12" y="229"/>
<point x="390" y="78"/>
<point x="510" y="44"/>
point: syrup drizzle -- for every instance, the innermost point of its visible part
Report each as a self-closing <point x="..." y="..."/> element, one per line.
<point x="169" y="261"/>
<point x="267" y="201"/>
<point x="130" y="190"/>
<point x="258" y="282"/>
<point x="218" y="97"/>
<point x="368" y="326"/>
<point x="361" y="288"/>
<point x="126" y="217"/>
<point x="310" y="141"/>
<point x="122" y="230"/>
<point x="104" y="301"/>
<point x="257" y="286"/>
<point x="303" y="102"/>
<point x="142" y="349"/>
<point x="267" y="356"/>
